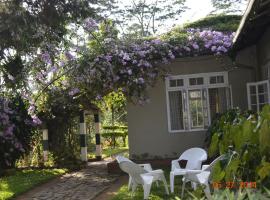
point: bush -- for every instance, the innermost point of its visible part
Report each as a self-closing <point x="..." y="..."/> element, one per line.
<point x="245" y="137"/>
<point x="217" y="22"/>
<point x="16" y="129"/>
<point x="111" y="133"/>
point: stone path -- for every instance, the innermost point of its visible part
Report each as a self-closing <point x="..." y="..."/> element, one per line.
<point x="85" y="184"/>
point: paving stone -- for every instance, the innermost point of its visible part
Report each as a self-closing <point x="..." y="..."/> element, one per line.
<point x="82" y="185"/>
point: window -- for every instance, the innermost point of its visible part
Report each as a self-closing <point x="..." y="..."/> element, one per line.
<point x="258" y="95"/>
<point x="176" y="83"/>
<point x="192" y="100"/>
<point x="216" y="79"/>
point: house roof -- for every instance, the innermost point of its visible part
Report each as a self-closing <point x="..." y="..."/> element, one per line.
<point x="254" y="23"/>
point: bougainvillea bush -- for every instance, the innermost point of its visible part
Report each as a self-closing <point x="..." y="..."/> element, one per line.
<point x="16" y="129"/>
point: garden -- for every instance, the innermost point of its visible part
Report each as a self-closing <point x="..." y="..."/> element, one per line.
<point x="57" y="58"/>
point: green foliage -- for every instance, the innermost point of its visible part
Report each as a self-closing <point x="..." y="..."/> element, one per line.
<point x="111" y="133"/>
<point x="158" y="193"/>
<point x="245" y="136"/>
<point x="21" y="181"/>
<point x="108" y="152"/>
<point x="217" y="22"/>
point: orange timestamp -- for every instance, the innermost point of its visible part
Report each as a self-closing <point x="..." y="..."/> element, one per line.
<point x="233" y="185"/>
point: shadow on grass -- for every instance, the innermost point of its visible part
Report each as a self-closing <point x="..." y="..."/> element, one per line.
<point x="158" y="192"/>
<point x="21" y="181"/>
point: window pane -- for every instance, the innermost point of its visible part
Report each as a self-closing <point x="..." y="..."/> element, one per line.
<point x="199" y="81"/>
<point x="220" y="79"/>
<point x="253" y="99"/>
<point x="254" y="108"/>
<point x="252" y="89"/>
<point x="192" y="81"/>
<point x="263" y="98"/>
<point x="218" y="101"/>
<point x="196" y="109"/>
<point x="176" y="110"/>
<point x="196" y="81"/>
<point x="172" y="83"/>
<point x="262" y="88"/>
<point x="179" y="82"/>
<point x="213" y="80"/>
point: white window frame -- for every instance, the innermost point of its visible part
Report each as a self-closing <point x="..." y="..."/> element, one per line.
<point x="186" y="88"/>
<point x="257" y="93"/>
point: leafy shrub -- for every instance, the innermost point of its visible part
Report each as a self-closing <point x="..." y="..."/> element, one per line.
<point x="111" y="133"/>
<point x="217" y="22"/>
<point x="245" y="136"/>
<point x="16" y="129"/>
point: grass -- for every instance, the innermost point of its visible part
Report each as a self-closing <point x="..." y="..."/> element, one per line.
<point x="158" y="192"/>
<point x="108" y="152"/>
<point x="23" y="180"/>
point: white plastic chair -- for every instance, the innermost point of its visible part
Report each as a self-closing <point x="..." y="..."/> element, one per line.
<point x="146" y="166"/>
<point x="201" y="176"/>
<point x="142" y="177"/>
<point x="194" y="156"/>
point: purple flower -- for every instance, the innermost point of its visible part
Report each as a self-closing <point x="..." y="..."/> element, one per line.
<point x="129" y="72"/>
<point x="36" y="120"/>
<point x="46" y="58"/>
<point x="108" y="58"/>
<point x="213" y="48"/>
<point x="140" y="80"/>
<point x="74" y="91"/>
<point x="31" y="109"/>
<point x="126" y="57"/>
<point x="195" y="46"/>
<point x="69" y="56"/>
<point x="90" y="24"/>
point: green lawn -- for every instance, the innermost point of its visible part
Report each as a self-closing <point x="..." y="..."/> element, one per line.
<point x="21" y="181"/>
<point x="158" y="192"/>
<point x="107" y="152"/>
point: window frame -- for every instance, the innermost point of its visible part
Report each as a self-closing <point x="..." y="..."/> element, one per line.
<point x="185" y="91"/>
<point x="256" y="84"/>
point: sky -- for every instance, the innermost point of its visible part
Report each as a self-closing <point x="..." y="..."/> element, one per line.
<point x="197" y="9"/>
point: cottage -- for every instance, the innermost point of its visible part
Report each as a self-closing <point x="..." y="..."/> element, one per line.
<point x="183" y="104"/>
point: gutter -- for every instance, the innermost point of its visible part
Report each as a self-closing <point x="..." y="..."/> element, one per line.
<point x="243" y="20"/>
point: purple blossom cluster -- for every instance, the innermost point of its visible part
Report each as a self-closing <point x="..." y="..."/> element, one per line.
<point x="7" y="128"/>
<point x="136" y="66"/>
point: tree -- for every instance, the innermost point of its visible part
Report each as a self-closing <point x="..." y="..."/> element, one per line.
<point x="29" y="27"/>
<point x="146" y="16"/>
<point x="228" y="5"/>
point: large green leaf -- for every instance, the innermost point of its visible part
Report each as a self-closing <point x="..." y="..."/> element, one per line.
<point x="218" y="173"/>
<point x="264" y="137"/>
<point x="231" y="169"/>
<point x="264" y="170"/>
<point x="213" y="149"/>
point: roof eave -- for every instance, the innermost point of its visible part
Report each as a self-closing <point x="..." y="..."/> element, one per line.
<point x="243" y="20"/>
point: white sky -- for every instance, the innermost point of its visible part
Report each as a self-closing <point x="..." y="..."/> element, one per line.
<point x="197" y="9"/>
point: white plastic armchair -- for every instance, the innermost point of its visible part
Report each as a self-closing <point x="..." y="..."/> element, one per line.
<point x="142" y="177"/>
<point x="201" y="176"/>
<point x="194" y="156"/>
<point x="145" y="166"/>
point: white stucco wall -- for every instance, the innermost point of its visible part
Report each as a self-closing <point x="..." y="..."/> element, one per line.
<point x="147" y="125"/>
